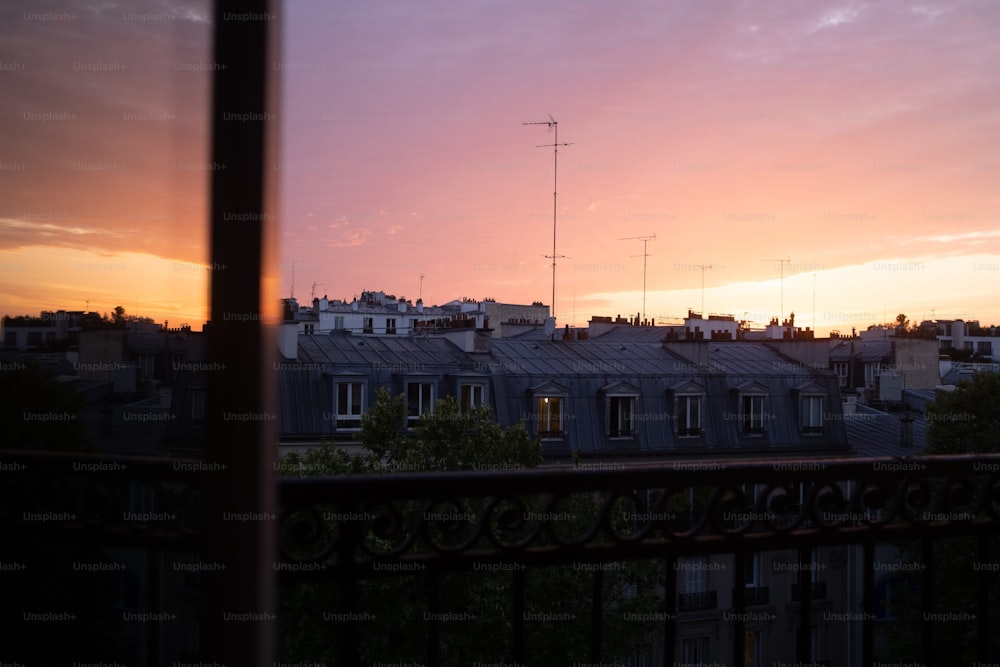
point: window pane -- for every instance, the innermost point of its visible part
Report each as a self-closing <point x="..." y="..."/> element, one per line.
<point x="104" y="176"/>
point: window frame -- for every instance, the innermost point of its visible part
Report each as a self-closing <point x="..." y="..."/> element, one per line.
<point x="614" y="417"/>
<point x="412" y="420"/>
<point x="751" y="431"/>
<point x="685" y="398"/>
<point x="549" y="434"/>
<point x="471" y="386"/>
<point x="348" y="417"/>
<point x="806" y="425"/>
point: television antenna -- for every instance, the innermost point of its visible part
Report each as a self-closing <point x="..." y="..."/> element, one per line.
<point x="703" y="267"/>
<point x="644" y="255"/>
<point x="312" y="294"/>
<point x="553" y="124"/>
<point x="783" y="262"/>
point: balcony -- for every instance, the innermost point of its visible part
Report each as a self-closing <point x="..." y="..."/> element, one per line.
<point x="354" y="534"/>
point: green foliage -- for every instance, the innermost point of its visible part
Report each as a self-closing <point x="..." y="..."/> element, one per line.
<point x="479" y="604"/>
<point x="961" y="422"/>
<point x="967" y="419"/>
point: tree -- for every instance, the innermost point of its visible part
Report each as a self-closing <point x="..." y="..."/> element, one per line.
<point x="964" y="421"/>
<point x="451" y="438"/>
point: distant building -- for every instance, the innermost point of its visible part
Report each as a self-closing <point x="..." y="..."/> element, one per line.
<point x="381" y="314"/>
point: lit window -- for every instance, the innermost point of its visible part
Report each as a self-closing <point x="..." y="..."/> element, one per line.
<point x="419" y="400"/>
<point x="549" y="417"/>
<point x="621" y="409"/>
<point x="350" y="398"/>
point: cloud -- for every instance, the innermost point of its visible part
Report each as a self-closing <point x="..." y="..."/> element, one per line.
<point x="349" y="238"/>
<point x="974" y="238"/>
<point x="392" y="230"/>
<point x="835" y="17"/>
<point x="17" y="233"/>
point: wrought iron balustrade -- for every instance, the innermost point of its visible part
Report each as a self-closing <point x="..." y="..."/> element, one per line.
<point x="345" y="531"/>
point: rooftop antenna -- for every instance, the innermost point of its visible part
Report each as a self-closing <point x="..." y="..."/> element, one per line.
<point x="644" y="255"/>
<point x="703" y="267"/>
<point x="312" y="295"/>
<point x="291" y="292"/>
<point x="420" y="292"/>
<point x="553" y="124"/>
<point x="783" y="262"/>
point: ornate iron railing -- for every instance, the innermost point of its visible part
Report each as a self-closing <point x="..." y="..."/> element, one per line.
<point x="344" y="531"/>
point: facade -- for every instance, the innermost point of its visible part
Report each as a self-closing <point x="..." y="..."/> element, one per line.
<point x="381" y="314"/>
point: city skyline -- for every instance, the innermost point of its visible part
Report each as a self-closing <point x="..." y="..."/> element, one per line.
<point x="853" y="141"/>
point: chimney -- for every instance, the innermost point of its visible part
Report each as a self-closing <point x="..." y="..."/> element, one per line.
<point x="288" y="340"/>
<point x="401" y="306"/>
<point x="906" y="430"/>
<point x="420" y="306"/>
<point x="550" y="326"/>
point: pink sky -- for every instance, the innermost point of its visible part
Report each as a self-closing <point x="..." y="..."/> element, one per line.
<point x="856" y="140"/>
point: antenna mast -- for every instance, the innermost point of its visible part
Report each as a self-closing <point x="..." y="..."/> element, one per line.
<point x="644" y="255"/>
<point x="783" y="262"/>
<point x="420" y="292"/>
<point x="703" y="267"/>
<point x="553" y="124"/>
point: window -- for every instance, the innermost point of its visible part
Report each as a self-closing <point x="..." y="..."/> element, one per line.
<point x="197" y="405"/>
<point x="350" y="399"/>
<point x="751" y="649"/>
<point x="752" y="414"/>
<point x="620" y="423"/>
<point x="812" y="415"/>
<point x="390" y="325"/>
<point x="871" y="373"/>
<point x="549" y="417"/>
<point x="689" y="415"/>
<point x="338" y="323"/>
<point x="984" y="348"/>
<point x="694" y="650"/>
<point x="840" y="368"/>
<point x="369" y="325"/>
<point x="309" y="329"/>
<point x="753" y="572"/>
<point x="695" y="575"/>
<point x="470" y="396"/>
<point x="419" y="400"/>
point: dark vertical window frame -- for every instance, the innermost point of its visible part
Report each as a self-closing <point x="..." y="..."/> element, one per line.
<point x="241" y="339"/>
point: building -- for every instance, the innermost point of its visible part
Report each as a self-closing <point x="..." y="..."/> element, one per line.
<point x="378" y="313"/>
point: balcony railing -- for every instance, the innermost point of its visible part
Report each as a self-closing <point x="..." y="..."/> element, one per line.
<point x="342" y="532"/>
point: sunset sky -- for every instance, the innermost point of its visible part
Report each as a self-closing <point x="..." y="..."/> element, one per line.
<point x="857" y="140"/>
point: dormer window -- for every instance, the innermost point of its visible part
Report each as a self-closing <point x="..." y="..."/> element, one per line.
<point x="812" y="400"/>
<point x="689" y="407"/>
<point x="550" y="402"/>
<point x="419" y="401"/>
<point x="471" y="396"/>
<point x="350" y="402"/>
<point x="620" y="399"/>
<point x="752" y="404"/>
